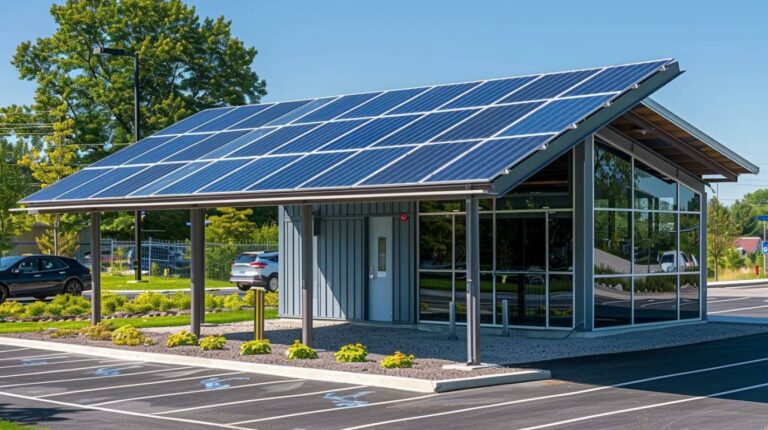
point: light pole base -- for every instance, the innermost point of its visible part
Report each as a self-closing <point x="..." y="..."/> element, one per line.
<point x="470" y="367"/>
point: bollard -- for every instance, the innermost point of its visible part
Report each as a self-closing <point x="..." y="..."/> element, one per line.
<point x="505" y="318"/>
<point x="452" y="321"/>
<point x="258" y="314"/>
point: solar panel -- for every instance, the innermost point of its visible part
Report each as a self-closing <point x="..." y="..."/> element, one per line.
<point x="455" y="133"/>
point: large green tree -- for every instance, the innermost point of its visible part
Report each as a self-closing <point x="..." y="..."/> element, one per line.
<point x="744" y="216"/>
<point x="15" y="182"/>
<point x="720" y="232"/>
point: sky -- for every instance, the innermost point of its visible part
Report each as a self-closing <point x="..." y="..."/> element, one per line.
<point x="312" y="48"/>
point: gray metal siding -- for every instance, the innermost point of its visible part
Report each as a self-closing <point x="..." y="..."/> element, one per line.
<point x="340" y="277"/>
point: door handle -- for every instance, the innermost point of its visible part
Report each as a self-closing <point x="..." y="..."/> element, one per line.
<point x="37" y="276"/>
<point x="62" y="273"/>
<point x="371" y="273"/>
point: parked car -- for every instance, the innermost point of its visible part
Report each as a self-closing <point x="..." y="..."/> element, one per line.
<point x="40" y="276"/>
<point x="667" y="261"/>
<point x="255" y="269"/>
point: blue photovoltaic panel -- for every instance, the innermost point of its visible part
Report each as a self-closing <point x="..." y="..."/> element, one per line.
<point x="170" y="178"/>
<point x="90" y="188"/>
<point x="249" y="174"/>
<point x="617" y="78"/>
<point x="179" y="143"/>
<point x="383" y="103"/>
<point x="300" y="171"/>
<point x="370" y="133"/>
<point x="557" y="115"/>
<point x="64" y="185"/>
<point x="488" y="92"/>
<point x="195" y="120"/>
<point x="337" y="107"/>
<point x="132" y="151"/>
<point x="435" y="98"/>
<point x="357" y="168"/>
<point x="139" y="180"/>
<point x="273" y="140"/>
<point x="488" y="122"/>
<point x="320" y="136"/>
<point x="231" y="118"/>
<point x="489" y="159"/>
<point x="203" y="177"/>
<point x="419" y="164"/>
<point x="427" y="127"/>
<point x="202" y="148"/>
<point x="269" y="115"/>
<point x="301" y="111"/>
<point x="549" y="86"/>
<point x="238" y="143"/>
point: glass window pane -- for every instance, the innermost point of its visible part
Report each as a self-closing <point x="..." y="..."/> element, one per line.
<point x="486" y="241"/>
<point x="435" y="292"/>
<point x="441" y="206"/>
<point x="655" y="242"/>
<point x="612" y="302"/>
<point x="690" y="245"/>
<point x="550" y="187"/>
<point x="561" y="241"/>
<point x="460" y="241"/>
<point x="526" y="295"/>
<point x="613" y="243"/>
<point x="690" y="291"/>
<point x="382" y="254"/>
<point x="561" y="301"/>
<point x="486" y="297"/>
<point x="613" y="178"/>
<point x="655" y="298"/>
<point x="435" y="245"/>
<point x="520" y="242"/>
<point x="689" y="200"/>
<point x="654" y="191"/>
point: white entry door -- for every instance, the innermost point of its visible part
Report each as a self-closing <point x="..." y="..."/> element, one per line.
<point x="380" y="295"/>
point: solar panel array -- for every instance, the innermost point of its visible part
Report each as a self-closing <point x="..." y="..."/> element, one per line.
<point x="458" y="133"/>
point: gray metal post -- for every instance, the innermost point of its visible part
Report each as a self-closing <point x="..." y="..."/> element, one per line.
<point x="452" y="320"/>
<point x="197" y="249"/>
<point x="473" y="282"/>
<point x="137" y="245"/>
<point x="306" y="274"/>
<point x="95" y="267"/>
<point x="764" y="255"/>
<point x="505" y="317"/>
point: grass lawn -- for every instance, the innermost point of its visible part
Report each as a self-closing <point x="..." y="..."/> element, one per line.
<point x="119" y="282"/>
<point x="736" y="275"/>
<point x="143" y="322"/>
<point x="8" y="425"/>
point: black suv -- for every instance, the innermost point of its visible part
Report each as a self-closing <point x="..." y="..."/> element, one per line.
<point x="40" y="276"/>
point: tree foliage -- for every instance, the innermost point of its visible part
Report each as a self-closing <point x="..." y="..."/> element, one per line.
<point x="720" y="232"/>
<point x="744" y="216"/>
<point x="15" y="182"/>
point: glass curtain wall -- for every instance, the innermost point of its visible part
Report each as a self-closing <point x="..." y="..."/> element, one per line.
<point x="526" y="254"/>
<point x="647" y="243"/>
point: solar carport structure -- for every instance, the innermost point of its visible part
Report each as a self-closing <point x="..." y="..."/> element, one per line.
<point x="470" y="142"/>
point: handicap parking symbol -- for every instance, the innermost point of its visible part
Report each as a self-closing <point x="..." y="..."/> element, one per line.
<point x="113" y="371"/>
<point x="33" y="362"/>
<point x="349" y="401"/>
<point x="218" y="383"/>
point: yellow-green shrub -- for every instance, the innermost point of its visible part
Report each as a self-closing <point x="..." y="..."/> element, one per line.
<point x="35" y="309"/>
<point x="53" y="310"/>
<point x="233" y="302"/>
<point x="351" y="353"/>
<point x="11" y="309"/>
<point x="111" y="303"/>
<point x="299" y="351"/>
<point x="255" y="347"/>
<point x="213" y="342"/>
<point x="63" y="332"/>
<point x="270" y="299"/>
<point x="397" y="361"/>
<point x="129" y="335"/>
<point x="100" y="331"/>
<point x="181" y="338"/>
<point x="213" y="302"/>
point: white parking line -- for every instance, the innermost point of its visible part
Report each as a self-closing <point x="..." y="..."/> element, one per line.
<point x="27" y="384"/>
<point x="202" y="390"/>
<point x="66" y="370"/>
<point x="12" y="350"/>
<point x="117" y="411"/>
<point x="240" y="402"/>
<point x="567" y="394"/>
<point x="320" y="411"/>
<point x="162" y="381"/>
<point x="716" y="300"/>
<point x="61" y="354"/>
<point x="46" y="363"/>
<point x="641" y="408"/>
<point x="738" y="309"/>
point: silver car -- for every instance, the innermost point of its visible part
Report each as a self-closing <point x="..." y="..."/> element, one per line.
<point x="255" y="269"/>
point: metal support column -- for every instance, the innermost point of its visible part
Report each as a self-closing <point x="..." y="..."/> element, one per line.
<point x="473" y="282"/>
<point x="137" y="245"/>
<point x="197" y="273"/>
<point x="306" y="275"/>
<point x="584" y="234"/>
<point x="95" y="268"/>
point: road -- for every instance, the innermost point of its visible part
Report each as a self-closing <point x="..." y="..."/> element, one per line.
<point x="715" y="385"/>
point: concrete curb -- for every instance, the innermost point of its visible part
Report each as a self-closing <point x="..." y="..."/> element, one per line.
<point x="726" y="284"/>
<point x="383" y="381"/>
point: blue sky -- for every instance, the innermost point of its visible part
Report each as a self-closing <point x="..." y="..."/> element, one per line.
<point x="314" y="48"/>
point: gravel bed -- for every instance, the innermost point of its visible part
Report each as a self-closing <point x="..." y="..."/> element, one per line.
<point x="432" y="350"/>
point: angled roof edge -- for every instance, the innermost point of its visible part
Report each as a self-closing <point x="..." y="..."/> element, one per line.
<point x="700" y="135"/>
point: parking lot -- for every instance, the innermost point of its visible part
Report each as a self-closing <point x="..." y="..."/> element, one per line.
<point x="738" y="303"/>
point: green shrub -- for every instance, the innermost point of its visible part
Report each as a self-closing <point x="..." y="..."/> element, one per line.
<point x="255" y="347"/>
<point x="233" y="302"/>
<point x="214" y="302"/>
<point x="179" y="300"/>
<point x="130" y="335"/>
<point x="149" y="300"/>
<point x="154" y="269"/>
<point x="397" y="361"/>
<point x="12" y="309"/>
<point x="111" y="303"/>
<point x="299" y="351"/>
<point x="35" y="309"/>
<point x="270" y="299"/>
<point x="63" y="332"/>
<point x="351" y="353"/>
<point x="213" y="342"/>
<point x="100" y="331"/>
<point x="181" y="338"/>
<point x="75" y="310"/>
<point x="53" y="310"/>
<point x="66" y="300"/>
